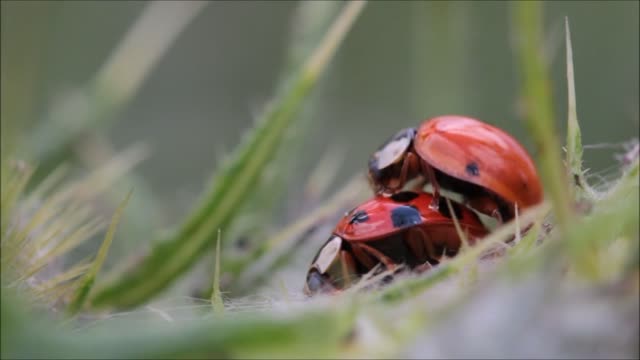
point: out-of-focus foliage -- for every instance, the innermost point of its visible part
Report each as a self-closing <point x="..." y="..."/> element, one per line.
<point x="82" y="80"/>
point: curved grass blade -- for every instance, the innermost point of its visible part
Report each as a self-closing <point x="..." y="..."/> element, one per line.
<point x="233" y="183"/>
<point x="311" y="19"/>
<point x="536" y="88"/>
<point x="90" y="276"/>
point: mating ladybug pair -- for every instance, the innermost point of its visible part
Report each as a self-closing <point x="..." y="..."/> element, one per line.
<point x="486" y="166"/>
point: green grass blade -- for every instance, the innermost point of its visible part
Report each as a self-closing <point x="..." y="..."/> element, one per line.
<point x="72" y="273"/>
<point x="216" y="295"/>
<point x="311" y="19"/>
<point x="233" y="183"/>
<point x="574" y="134"/>
<point x="574" y="137"/>
<point x="536" y="88"/>
<point x="89" y="278"/>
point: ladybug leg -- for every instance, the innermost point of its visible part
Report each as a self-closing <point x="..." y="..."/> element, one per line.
<point x="410" y="168"/>
<point x="348" y="266"/>
<point x="362" y="257"/>
<point x="416" y="237"/>
<point x="433" y="253"/>
<point x="431" y="175"/>
<point x="424" y="267"/>
<point x="385" y="260"/>
<point x="486" y="205"/>
<point x="416" y="240"/>
<point x="497" y="215"/>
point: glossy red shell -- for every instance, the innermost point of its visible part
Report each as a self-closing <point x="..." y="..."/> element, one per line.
<point x="379" y="224"/>
<point x="451" y="143"/>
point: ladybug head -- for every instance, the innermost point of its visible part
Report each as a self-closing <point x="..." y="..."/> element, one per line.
<point x="327" y="273"/>
<point x="385" y="165"/>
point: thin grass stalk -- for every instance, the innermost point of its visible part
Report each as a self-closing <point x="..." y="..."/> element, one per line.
<point x="527" y="22"/>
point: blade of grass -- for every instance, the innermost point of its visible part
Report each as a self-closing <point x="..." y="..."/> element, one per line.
<point x="527" y="242"/>
<point x="311" y="19"/>
<point x="233" y="183"/>
<point x="216" y="295"/>
<point x="574" y="136"/>
<point x="63" y="246"/>
<point x="89" y="278"/>
<point x="74" y="272"/>
<point x="527" y="20"/>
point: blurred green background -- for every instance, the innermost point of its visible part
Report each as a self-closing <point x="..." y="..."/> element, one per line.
<point x="403" y="62"/>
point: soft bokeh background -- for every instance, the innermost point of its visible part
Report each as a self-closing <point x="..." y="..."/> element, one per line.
<point x="403" y="62"/>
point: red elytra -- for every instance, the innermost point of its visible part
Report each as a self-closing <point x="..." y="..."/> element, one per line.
<point x="400" y="229"/>
<point x="483" y="163"/>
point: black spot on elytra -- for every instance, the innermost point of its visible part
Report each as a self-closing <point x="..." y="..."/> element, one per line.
<point x="404" y="196"/>
<point x="443" y="208"/>
<point x="404" y="216"/>
<point x="359" y="217"/>
<point x="472" y="169"/>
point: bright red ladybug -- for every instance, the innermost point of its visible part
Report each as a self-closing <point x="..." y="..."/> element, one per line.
<point x="400" y="229"/>
<point x="464" y="155"/>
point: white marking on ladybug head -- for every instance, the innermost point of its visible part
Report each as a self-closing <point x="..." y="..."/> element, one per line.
<point x="328" y="254"/>
<point x="395" y="149"/>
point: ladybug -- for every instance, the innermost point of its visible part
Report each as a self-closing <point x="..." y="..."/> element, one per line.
<point x="401" y="229"/>
<point x="484" y="164"/>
